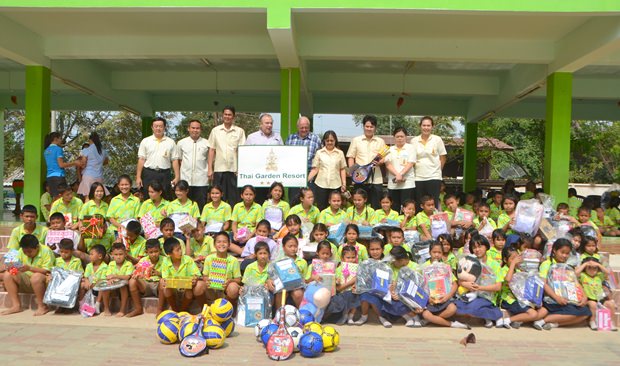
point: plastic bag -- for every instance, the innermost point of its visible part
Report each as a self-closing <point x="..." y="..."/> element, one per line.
<point x="285" y="275"/>
<point x="437" y="279"/>
<point x="527" y="216"/>
<point x="487" y="277"/>
<point x="63" y="288"/>
<point x="327" y="272"/>
<point x="531" y="260"/>
<point x="440" y="224"/>
<point x="421" y="251"/>
<point x="563" y="281"/>
<point x="336" y="233"/>
<point x="254" y="305"/>
<point x="410" y="289"/>
<point x="411" y="237"/>
<point x="462" y="214"/>
<point x="374" y="276"/>
<point x="87" y="305"/>
<point x="548" y="203"/>
<point x="12" y="261"/>
<point x="366" y="232"/>
<point x="528" y="288"/>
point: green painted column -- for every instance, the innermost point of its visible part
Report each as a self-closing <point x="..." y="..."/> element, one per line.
<point x="2" y="124"/>
<point x="37" y="126"/>
<point x="557" y="135"/>
<point x="470" y="157"/>
<point x="289" y="100"/>
<point x="147" y="122"/>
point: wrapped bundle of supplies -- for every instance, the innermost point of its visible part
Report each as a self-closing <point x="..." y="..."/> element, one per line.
<point x="528" y="215"/>
<point x="374" y="276"/>
<point x="63" y="288"/>
<point x="563" y="281"/>
<point x="285" y="275"/>
<point x="254" y="305"/>
<point x="528" y="288"/>
<point x="410" y="289"/>
<point x="437" y="279"/>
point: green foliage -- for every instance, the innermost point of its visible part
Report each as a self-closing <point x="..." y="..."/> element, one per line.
<point x="248" y="121"/>
<point x="595" y="152"/>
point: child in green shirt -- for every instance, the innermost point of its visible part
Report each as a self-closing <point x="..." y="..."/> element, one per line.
<point x="591" y="276"/>
<point x="232" y="271"/>
<point x="119" y="269"/>
<point x="140" y="285"/>
<point x="178" y="265"/>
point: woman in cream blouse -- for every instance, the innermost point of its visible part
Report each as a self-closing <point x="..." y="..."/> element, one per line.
<point x="328" y="166"/>
<point x="430" y="159"/>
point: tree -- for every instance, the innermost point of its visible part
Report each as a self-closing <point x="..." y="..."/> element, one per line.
<point x="248" y="121"/>
<point x="595" y="152"/>
<point x="443" y="126"/>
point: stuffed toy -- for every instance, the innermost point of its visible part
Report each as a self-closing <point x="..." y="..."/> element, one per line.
<point x="468" y="270"/>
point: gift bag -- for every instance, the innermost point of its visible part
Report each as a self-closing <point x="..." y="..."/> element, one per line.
<point x="437" y="279"/>
<point x="87" y="305"/>
<point x="410" y="289"/>
<point x="563" y="280"/>
<point x="62" y="290"/>
<point x="548" y="203"/>
<point x="327" y="272"/>
<point x="528" y="215"/>
<point x="603" y="318"/>
<point x="411" y="237"/>
<point x="151" y="230"/>
<point x="94" y="226"/>
<point x="336" y="233"/>
<point x="486" y="230"/>
<point x="254" y="305"/>
<point x="285" y="275"/>
<point x="440" y="224"/>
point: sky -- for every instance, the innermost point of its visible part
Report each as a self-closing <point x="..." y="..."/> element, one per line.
<point x="342" y="124"/>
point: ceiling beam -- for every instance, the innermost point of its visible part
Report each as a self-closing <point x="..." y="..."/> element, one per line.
<point x="214" y="102"/>
<point x="380" y="104"/>
<point x="581" y="110"/>
<point x="20" y="44"/>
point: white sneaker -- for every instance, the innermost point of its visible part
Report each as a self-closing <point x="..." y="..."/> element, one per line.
<point x="539" y="324"/>
<point x="593" y="325"/>
<point x="507" y="323"/>
<point x="488" y="324"/>
<point x="362" y="320"/>
<point x="549" y="326"/>
<point x="459" y="325"/>
<point x="97" y="308"/>
<point x="351" y="322"/>
<point x="385" y="322"/>
<point x="410" y="323"/>
<point x="516" y="325"/>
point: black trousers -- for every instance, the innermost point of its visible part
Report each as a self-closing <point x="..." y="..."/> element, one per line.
<point x="162" y="176"/>
<point x="199" y="194"/>
<point x="399" y="196"/>
<point x="228" y="182"/>
<point x="374" y="191"/>
<point x="321" y="196"/>
<point x="428" y="188"/>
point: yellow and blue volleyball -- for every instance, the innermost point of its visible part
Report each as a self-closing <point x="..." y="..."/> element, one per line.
<point x="331" y="338"/>
<point x="212" y="322"/>
<point x="187" y="329"/>
<point x="313" y="327"/>
<point x="167" y="332"/>
<point x="221" y="310"/>
<point x="228" y="326"/>
<point x="214" y="335"/>
<point x="167" y="315"/>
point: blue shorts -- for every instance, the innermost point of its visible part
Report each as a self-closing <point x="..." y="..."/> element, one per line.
<point x="569" y="309"/>
<point x="514" y="308"/>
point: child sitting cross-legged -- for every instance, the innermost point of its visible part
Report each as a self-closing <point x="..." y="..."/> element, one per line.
<point x="37" y="261"/>
<point x="221" y="270"/>
<point x="178" y="265"/>
<point x="119" y="269"/>
<point x="147" y="285"/>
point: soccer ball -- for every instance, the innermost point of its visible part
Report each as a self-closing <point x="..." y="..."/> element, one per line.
<point x="228" y="326"/>
<point x="331" y="338"/>
<point x="291" y="316"/>
<point x="296" y="333"/>
<point x="167" y="332"/>
<point x="266" y="333"/>
<point x="313" y="327"/>
<point x="221" y="310"/>
<point x="310" y="345"/>
<point x="305" y="316"/>
<point x="167" y="315"/>
<point x="259" y="328"/>
<point x="215" y="336"/>
<point x="187" y="328"/>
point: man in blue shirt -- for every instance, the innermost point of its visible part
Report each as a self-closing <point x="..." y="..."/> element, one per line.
<point x="303" y="137"/>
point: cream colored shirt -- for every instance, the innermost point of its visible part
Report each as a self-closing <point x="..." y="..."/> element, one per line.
<point x="363" y="150"/>
<point x="399" y="158"/>
<point x="194" y="160"/>
<point x="157" y="154"/>
<point x="428" y="165"/>
<point x="225" y="142"/>
<point x="329" y="164"/>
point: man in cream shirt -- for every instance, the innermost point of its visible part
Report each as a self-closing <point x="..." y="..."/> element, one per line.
<point x="156" y="155"/>
<point x="361" y="151"/>
<point x="193" y="153"/>
<point x="224" y="141"/>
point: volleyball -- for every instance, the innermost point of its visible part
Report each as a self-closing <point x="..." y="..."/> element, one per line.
<point x="167" y="332"/>
<point x="167" y="315"/>
<point x="187" y="329"/>
<point x="228" y="326"/>
<point x="305" y="316"/>
<point x="313" y="327"/>
<point x="331" y="338"/>
<point x="310" y="344"/>
<point x="221" y="310"/>
<point x="291" y="315"/>
<point x="212" y="322"/>
<point x="259" y="328"/>
<point x="296" y="334"/>
<point x="266" y="333"/>
<point x="215" y="336"/>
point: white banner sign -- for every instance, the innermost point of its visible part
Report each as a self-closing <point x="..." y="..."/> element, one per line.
<point x="260" y="166"/>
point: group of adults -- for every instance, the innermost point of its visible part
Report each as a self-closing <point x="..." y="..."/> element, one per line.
<point x="414" y="168"/>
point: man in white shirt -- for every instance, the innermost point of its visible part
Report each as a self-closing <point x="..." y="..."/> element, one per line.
<point x="193" y="153"/>
<point x="264" y="136"/>
<point x="157" y="154"/>
<point x="224" y="141"/>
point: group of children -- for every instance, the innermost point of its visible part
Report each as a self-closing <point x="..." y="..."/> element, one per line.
<point x="233" y="246"/>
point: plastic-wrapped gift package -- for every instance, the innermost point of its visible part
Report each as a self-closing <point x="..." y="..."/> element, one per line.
<point x="369" y="280"/>
<point x="63" y="288"/>
<point x="421" y="251"/>
<point x="366" y="232"/>
<point x="188" y="223"/>
<point x="87" y="305"/>
<point x="588" y="230"/>
<point x="440" y="224"/>
<point x="437" y="278"/>
<point x="547" y="229"/>
<point x="349" y="269"/>
<point x="94" y="226"/>
<point x="563" y="280"/>
<point x="528" y="215"/>
<point x="548" y="203"/>
<point x="336" y="233"/>
<point x="53" y="238"/>
<point x="486" y="278"/>
<point x="410" y="289"/>
<point x="12" y="261"/>
<point x="462" y="214"/>
<point x="327" y="272"/>
<point x="285" y="275"/>
<point x="275" y="216"/>
<point x="151" y="230"/>
<point x="411" y="237"/>
<point x="528" y="288"/>
<point x="143" y="269"/>
<point x="254" y="305"/>
<point x="381" y="282"/>
<point x="531" y="260"/>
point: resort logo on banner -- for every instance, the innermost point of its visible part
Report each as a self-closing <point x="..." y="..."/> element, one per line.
<point x="260" y="166"/>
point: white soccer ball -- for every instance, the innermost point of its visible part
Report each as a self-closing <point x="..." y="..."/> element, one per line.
<point x="291" y="316"/>
<point x="296" y="333"/>
<point x="259" y="328"/>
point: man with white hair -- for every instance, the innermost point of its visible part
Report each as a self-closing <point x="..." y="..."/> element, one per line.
<point x="264" y="136"/>
<point x="303" y="137"/>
